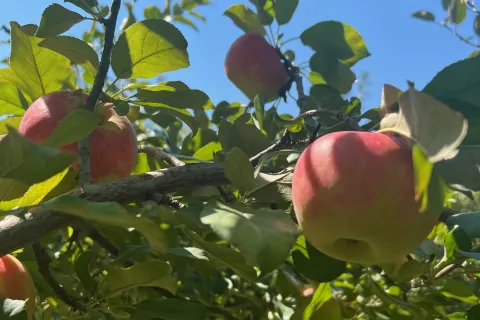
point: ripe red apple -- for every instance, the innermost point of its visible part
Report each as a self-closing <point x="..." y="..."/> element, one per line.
<point x="16" y="283"/>
<point x="353" y="196"/>
<point x="113" y="144"/>
<point x="254" y="67"/>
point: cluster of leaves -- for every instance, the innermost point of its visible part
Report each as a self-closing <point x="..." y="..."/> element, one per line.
<point x="457" y="11"/>
<point x="212" y="258"/>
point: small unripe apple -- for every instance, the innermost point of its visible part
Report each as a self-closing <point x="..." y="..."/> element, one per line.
<point x="16" y="283"/>
<point x="113" y="144"/>
<point x="254" y="67"/>
<point x="354" y="198"/>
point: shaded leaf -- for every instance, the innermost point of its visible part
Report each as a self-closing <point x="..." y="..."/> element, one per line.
<point x="150" y="273"/>
<point x="244" y="18"/>
<point x="239" y="170"/>
<point x="224" y="257"/>
<point x="76" y="125"/>
<point x="336" y="39"/>
<point x="110" y="213"/>
<point x="457" y="10"/>
<point x="284" y="10"/>
<point x="87" y="5"/>
<point x="329" y="70"/>
<point x="424" y="15"/>
<point x="28" y="162"/>
<point x="264" y="236"/>
<point x="174" y="94"/>
<point x="12" y="122"/>
<point x="170" y="309"/>
<point x="78" y="51"/>
<point x="306" y="260"/>
<point x="456" y="240"/>
<point x="57" y="19"/>
<point x="149" y="48"/>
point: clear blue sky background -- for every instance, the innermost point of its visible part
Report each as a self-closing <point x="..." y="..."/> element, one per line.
<point x="403" y="48"/>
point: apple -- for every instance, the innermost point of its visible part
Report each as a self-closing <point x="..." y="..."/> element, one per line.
<point x="353" y="196"/>
<point x="254" y="67"/>
<point x="113" y="144"/>
<point x="16" y="283"/>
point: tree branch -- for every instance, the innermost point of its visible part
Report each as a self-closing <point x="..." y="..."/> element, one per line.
<point x="43" y="262"/>
<point x="84" y="144"/>
<point x="19" y="231"/>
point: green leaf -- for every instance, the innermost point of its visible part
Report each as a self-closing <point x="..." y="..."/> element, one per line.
<point x="259" y="105"/>
<point x="265" y="11"/>
<point x="322" y="306"/>
<point x="242" y="135"/>
<point x="207" y="152"/>
<point x="174" y="94"/>
<point x="87" y="5"/>
<point x="284" y="10"/>
<point x="110" y="213"/>
<point x="457" y="10"/>
<point x="78" y="51"/>
<point x="306" y="260"/>
<point x="264" y="236"/>
<point x="244" y="18"/>
<point x="430" y="189"/>
<point x="152" y="12"/>
<point x="228" y="111"/>
<point x="149" y="48"/>
<point x="458" y="86"/>
<point x="76" y="125"/>
<point x="40" y="70"/>
<point x="437" y="128"/>
<point x="456" y="239"/>
<point x="12" y="100"/>
<point x="57" y="19"/>
<point x="150" y="273"/>
<point x="121" y="107"/>
<point x="170" y="309"/>
<point x="424" y="15"/>
<point x="181" y="114"/>
<point x="82" y="270"/>
<point x="474" y="312"/>
<point x="37" y="192"/>
<point x="327" y="69"/>
<point x="336" y="39"/>
<point x="224" y="257"/>
<point x="28" y="162"/>
<point x="469" y="222"/>
<point x="12" y="122"/>
<point x="239" y="170"/>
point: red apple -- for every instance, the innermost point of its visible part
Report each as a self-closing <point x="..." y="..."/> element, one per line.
<point x="254" y="67"/>
<point x="113" y="144"/>
<point x="353" y="196"/>
<point x="16" y="283"/>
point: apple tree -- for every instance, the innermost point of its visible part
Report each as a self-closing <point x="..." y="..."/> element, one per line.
<point x="125" y="194"/>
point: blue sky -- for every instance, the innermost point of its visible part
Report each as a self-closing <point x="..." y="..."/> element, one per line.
<point x="403" y="48"/>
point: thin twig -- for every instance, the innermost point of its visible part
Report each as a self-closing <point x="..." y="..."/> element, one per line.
<point x="84" y="176"/>
<point x="333" y="113"/>
<point x="43" y="262"/>
<point x="161" y="198"/>
<point x="161" y="155"/>
<point x="280" y="143"/>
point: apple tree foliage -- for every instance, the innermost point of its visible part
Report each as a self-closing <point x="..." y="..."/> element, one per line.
<point x="229" y="251"/>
